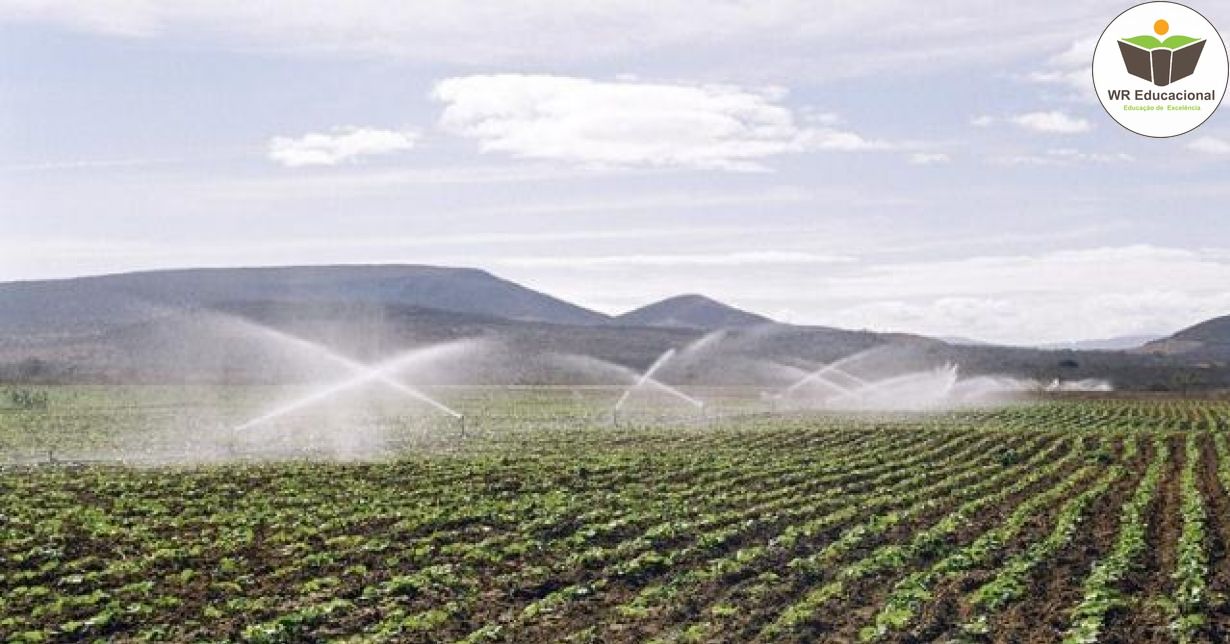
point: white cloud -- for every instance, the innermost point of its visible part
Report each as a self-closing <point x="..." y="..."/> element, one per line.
<point x="1074" y="155"/>
<point x="1057" y="296"/>
<point x="873" y="33"/>
<point x="86" y="164"/>
<point x="1077" y="55"/>
<point x="1210" y="145"/>
<point x="1064" y="157"/>
<point x="750" y="258"/>
<point x="132" y="18"/>
<point x="1034" y="320"/>
<point x="1068" y="68"/>
<point x="339" y="145"/>
<point x="1053" y="122"/>
<point x="929" y="158"/>
<point x="982" y="121"/>
<point x="1073" y="78"/>
<point x="1028" y="298"/>
<point x="1086" y="271"/>
<point x="627" y="123"/>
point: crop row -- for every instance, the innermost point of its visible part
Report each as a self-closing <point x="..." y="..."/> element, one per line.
<point x="911" y="593"/>
<point x="1102" y="591"/>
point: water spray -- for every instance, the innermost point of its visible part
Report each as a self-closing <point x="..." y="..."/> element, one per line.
<point x="647" y="378"/>
<point x="362" y="374"/>
<point x="833" y="367"/>
<point x="382" y="372"/>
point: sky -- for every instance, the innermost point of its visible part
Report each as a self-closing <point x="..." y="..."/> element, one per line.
<point x="884" y="164"/>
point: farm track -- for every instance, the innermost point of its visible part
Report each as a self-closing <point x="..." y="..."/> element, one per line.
<point x="793" y="529"/>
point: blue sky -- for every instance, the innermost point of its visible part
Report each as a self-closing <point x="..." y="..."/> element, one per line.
<point x="869" y="164"/>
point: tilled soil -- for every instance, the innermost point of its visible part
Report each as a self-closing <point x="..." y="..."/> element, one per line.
<point x="1043" y="614"/>
<point x="1150" y="587"/>
<point x="1218" y="507"/>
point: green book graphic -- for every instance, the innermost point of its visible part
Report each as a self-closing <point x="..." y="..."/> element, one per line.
<point x="1161" y="62"/>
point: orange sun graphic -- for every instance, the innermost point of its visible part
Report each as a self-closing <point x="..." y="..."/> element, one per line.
<point x="1161" y="27"/>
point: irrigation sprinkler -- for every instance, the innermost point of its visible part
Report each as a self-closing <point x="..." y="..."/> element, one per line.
<point x="819" y="376"/>
<point x="647" y="378"/>
<point x="888" y="384"/>
<point x="362" y="374"/>
<point x="833" y="367"/>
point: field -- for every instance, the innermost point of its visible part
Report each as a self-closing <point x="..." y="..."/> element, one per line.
<point x="1061" y="520"/>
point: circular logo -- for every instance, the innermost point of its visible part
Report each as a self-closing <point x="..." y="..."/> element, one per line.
<point x="1160" y="69"/>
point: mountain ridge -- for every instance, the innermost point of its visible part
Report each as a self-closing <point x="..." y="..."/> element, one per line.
<point x="691" y="311"/>
<point x="180" y="326"/>
<point x="1207" y="340"/>
<point x="73" y="303"/>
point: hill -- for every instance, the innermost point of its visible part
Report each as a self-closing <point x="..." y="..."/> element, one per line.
<point x="1119" y="343"/>
<point x="1206" y="341"/>
<point x="54" y="307"/>
<point x="221" y="325"/>
<point x="691" y="312"/>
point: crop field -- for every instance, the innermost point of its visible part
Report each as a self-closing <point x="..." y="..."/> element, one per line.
<point x="1061" y="520"/>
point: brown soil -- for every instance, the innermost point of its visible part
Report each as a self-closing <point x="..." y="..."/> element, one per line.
<point x="867" y="595"/>
<point x="623" y="590"/>
<point x="1042" y="614"/>
<point x="842" y="619"/>
<point x="1151" y="585"/>
<point x="1217" y="504"/>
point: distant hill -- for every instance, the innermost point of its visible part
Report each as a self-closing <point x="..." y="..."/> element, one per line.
<point x="53" y="307"/>
<point x="231" y="343"/>
<point x="1208" y="340"/>
<point x="958" y="340"/>
<point x="222" y="325"/>
<point x="691" y="312"/>
<point x="1119" y="343"/>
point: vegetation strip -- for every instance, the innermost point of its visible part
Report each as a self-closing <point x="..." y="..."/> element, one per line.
<point x="902" y="605"/>
<point x="1102" y="592"/>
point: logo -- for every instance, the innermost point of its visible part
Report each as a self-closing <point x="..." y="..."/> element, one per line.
<point x="1160" y="45"/>
<point x="1161" y="62"/>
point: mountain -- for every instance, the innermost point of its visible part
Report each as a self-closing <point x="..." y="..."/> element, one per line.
<point x="1119" y="343"/>
<point x="1208" y="341"/>
<point x="52" y="307"/>
<point x="963" y="341"/>
<point x="254" y="342"/>
<point x="691" y="312"/>
<point x="231" y="325"/>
